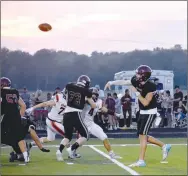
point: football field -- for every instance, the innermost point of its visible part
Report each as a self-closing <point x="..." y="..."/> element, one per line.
<point x="95" y="160"/>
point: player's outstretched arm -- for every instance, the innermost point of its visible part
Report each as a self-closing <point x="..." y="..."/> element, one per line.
<point x="45" y="104"/>
<point x="22" y="106"/>
<point x="41" y="105"/>
<point x="35" y="137"/>
<point x="117" y="82"/>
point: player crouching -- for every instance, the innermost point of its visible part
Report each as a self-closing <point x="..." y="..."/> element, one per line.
<point x="28" y="127"/>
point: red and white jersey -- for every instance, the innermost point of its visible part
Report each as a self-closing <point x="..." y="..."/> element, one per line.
<point x="57" y="110"/>
<point x="88" y="113"/>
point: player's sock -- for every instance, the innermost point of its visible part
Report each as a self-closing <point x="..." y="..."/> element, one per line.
<point x="74" y="146"/>
<point x="26" y="157"/>
<point x="63" y="143"/>
<point x="61" y="147"/>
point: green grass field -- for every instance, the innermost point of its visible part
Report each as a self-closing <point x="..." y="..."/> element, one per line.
<point x="93" y="162"/>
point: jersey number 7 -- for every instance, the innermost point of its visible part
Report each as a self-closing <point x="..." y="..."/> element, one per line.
<point x="62" y="108"/>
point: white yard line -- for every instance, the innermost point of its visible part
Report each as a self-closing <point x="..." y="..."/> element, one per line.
<point x="115" y="145"/>
<point x="132" y="145"/>
<point x="132" y="172"/>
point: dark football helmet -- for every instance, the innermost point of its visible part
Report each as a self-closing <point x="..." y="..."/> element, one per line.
<point x="84" y="80"/>
<point x="143" y="73"/>
<point x="5" y="82"/>
<point x="95" y="92"/>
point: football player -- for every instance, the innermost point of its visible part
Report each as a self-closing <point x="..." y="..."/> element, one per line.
<point x="88" y="114"/>
<point x="12" y="109"/>
<point x="76" y="95"/>
<point x="144" y="90"/>
<point x="29" y="127"/>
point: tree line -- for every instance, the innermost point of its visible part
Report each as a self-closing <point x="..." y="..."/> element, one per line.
<point x="47" y="69"/>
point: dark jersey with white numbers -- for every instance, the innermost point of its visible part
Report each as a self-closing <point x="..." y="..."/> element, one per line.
<point x="148" y="87"/>
<point x="76" y="95"/>
<point x="9" y="102"/>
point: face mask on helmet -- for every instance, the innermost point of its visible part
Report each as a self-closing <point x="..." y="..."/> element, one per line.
<point x="95" y="93"/>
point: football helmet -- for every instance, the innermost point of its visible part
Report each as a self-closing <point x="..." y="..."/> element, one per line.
<point x="5" y="82"/>
<point x="84" y="80"/>
<point x="143" y="73"/>
<point x="95" y="93"/>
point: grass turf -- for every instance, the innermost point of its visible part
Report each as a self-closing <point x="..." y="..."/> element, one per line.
<point x="92" y="163"/>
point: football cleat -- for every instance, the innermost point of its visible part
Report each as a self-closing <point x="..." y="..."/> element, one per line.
<point x="13" y="157"/>
<point x="59" y="156"/>
<point x="77" y="155"/>
<point x="138" y="164"/>
<point x="114" y="156"/>
<point x="72" y="154"/>
<point x="166" y="149"/>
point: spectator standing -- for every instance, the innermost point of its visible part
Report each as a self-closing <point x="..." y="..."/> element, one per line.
<point x="126" y="106"/>
<point x="117" y="107"/>
<point x="167" y="108"/>
<point x="110" y="104"/>
<point x="178" y="96"/>
<point x="26" y="97"/>
<point x="159" y="95"/>
<point x="37" y="99"/>
<point x="49" y="96"/>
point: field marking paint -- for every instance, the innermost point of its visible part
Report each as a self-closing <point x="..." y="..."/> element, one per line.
<point x="132" y="172"/>
<point x="115" y="145"/>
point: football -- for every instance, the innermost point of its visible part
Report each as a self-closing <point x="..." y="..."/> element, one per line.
<point x="45" y="27"/>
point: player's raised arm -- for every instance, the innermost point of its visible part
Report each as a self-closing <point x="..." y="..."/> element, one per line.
<point x="117" y="82"/>
<point x="22" y="106"/>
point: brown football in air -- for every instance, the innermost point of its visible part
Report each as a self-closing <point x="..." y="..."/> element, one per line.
<point x="45" y="27"/>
